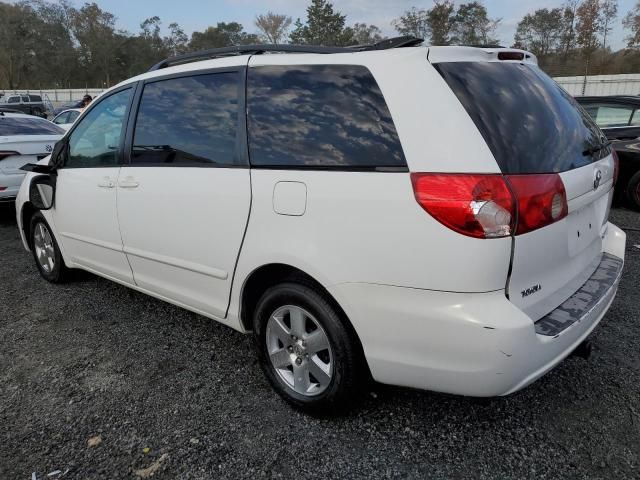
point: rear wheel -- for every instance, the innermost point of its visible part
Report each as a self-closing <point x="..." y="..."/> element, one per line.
<point x="46" y="251"/>
<point x="633" y="191"/>
<point x="309" y="356"/>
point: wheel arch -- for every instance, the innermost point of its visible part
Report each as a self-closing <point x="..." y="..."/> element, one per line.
<point x="268" y="275"/>
<point x="28" y="210"/>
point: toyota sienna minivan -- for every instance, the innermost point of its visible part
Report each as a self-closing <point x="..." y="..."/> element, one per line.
<point x="431" y="217"/>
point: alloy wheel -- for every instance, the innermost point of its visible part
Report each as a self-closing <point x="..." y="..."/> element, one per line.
<point x="299" y="350"/>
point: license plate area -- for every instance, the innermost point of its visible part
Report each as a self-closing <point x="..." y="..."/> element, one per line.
<point x="583" y="229"/>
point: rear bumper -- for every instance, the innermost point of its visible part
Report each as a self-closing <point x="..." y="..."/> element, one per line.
<point x="476" y="344"/>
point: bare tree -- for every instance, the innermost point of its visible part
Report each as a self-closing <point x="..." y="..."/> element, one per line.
<point x="589" y="24"/>
<point x="609" y="10"/>
<point x="273" y="26"/>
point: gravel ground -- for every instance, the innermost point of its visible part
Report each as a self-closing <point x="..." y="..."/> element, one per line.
<point x="108" y="383"/>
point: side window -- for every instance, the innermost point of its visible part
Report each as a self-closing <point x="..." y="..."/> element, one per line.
<point x="613" y="116"/>
<point x="72" y="115"/>
<point x="635" y="119"/>
<point x="35" y="98"/>
<point x="188" y="120"/>
<point x="13" y="100"/>
<point x="96" y="140"/>
<point x="320" y="115"/>
<point x="25" y="98"/>
<point x="62" y="118"/>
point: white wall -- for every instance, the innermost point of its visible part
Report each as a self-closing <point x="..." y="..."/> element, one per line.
<point x="599" y="85"/>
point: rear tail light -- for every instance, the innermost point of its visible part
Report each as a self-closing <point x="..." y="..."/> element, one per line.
<point x="4" y="154"/>
<point x="479" y="206"/>
<point x="541" y="200"/>
<point x="491" y="206"/>
<point x="2" y="189"/>
<point x="616" y="166"/>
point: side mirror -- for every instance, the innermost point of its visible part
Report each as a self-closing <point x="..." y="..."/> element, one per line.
<point x="42" y="191"/>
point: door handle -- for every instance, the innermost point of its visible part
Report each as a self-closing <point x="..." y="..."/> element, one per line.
<point x="128" y="182"/>
<point x="106" y="182"/>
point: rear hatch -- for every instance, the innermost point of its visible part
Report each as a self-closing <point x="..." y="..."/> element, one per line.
<point x="535" y="130"/>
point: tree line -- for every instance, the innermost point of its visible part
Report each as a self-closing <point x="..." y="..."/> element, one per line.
<point x="56" y="45"/>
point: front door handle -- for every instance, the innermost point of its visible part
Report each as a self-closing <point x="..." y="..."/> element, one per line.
<point x="106" y="182"/>
<point x="128" y="182"/>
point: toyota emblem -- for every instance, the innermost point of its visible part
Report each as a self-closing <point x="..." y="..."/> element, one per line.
<point x="597" y="179"/>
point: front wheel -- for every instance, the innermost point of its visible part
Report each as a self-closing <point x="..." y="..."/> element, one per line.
<point x="46" y="251"/>
<point x="309" y="356"/>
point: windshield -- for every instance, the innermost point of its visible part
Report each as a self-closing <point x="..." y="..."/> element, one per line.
<point x="530" y="124"/>
<point x="27" y="126"/>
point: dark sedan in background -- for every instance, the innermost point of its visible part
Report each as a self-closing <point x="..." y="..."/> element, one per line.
<point x="619" y="118"/>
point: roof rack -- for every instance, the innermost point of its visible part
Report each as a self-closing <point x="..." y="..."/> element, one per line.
<point x="397" y="42"/>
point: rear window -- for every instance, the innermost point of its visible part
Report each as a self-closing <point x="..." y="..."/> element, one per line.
<point x="329" y="116"/>
<point x="530" y="124"/>
<point x="27" y="126"/>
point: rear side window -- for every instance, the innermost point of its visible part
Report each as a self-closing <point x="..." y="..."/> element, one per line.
<point x="35" y="98"/>
<point x="188" y="120"/>
<point x="608" y="116"/>
<point x="330" y="116"/>
<point x="27" y="126"/>
<point x="530" y="124"/>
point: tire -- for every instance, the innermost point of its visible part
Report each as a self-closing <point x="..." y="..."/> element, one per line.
<point x="633" y="191"/>
<point x="46" y="251"/>
<point x="330" y="378"/>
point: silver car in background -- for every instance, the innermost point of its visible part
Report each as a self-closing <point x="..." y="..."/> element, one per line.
<point x="23" y="139"/>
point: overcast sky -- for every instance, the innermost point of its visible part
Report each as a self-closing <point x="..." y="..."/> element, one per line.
<point x="198" y="14"/>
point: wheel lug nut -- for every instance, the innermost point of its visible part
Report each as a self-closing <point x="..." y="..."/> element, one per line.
<point x="290" y="348"/>
<point x="298" y="361"/>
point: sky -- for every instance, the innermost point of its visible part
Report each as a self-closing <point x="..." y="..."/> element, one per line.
<point x="198" y="14"/>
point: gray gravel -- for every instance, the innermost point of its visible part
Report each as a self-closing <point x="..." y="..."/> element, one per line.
<point x="167" y="389"/>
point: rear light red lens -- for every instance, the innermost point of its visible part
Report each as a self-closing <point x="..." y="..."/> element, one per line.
<point x="488" y="206"/>
<point x="2" y="189"/>
<point x="541" y="200"/>
<point x="478" y="206"/>
<point x="616" y="166"/>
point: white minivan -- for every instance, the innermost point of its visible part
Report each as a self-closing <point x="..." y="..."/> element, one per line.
<point x="431" y="217"/>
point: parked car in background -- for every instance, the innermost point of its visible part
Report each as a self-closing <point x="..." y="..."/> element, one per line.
<point x="619" y="118"/>
<point x="23" y="139"/>
<point x="68" y="106"/>
<point x="66" y="118"/>
<point x="433" y="217"/>
<point x="31" y="104"/>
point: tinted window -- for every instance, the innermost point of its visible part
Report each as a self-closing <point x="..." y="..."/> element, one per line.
<point x="188" y="120"/>
<point x="27" y="126"/>
<point x="35" y="98"/>
<point x="13" y="100"/>
<point x="25" y="98"/>
<point x="320" y="115"/>
<point x="96" y="140"/>
<point x="530" y="124"/>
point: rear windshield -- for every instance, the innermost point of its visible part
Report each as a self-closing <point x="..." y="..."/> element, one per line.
<point x="530" y="124"/>
<point x="27" y="126"/>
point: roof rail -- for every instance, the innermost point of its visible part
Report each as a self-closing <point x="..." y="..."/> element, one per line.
<point x="397" y="42"/>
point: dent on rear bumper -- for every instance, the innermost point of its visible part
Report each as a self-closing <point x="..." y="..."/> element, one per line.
<point x="476" y="344"/>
